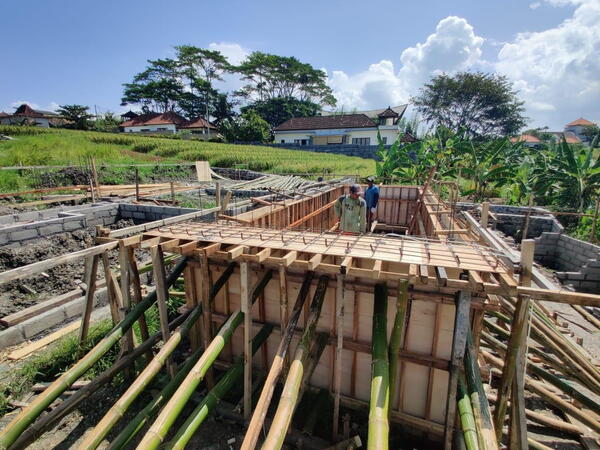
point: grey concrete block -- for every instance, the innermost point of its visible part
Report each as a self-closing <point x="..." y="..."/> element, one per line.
<point x="126" y="214"/>
<point x="74" y="225"/>
<point x="11" y="336"/>
<point x="23" y="235"/>
<point x="590" y="285"/>
<point x="3" y="238"/>
<point x="42" y="322"/>
<point x="51" y="229"/>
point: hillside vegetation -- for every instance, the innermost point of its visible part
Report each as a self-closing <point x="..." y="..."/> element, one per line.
<point x="37" y="146"/>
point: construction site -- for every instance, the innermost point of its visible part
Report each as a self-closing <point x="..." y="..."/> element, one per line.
<point x="445" y="325"/>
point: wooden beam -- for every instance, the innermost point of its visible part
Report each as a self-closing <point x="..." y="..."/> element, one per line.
<point x="125" y="293"/>
<point x="158" y="264"/>
<point x="206" y="314"/>
<point x="91" y="270"/>
<point x="485" y="211"/>
<point x="337" y="383"/>
<point x="246" y="308"/>
<point x="459" y="342"/>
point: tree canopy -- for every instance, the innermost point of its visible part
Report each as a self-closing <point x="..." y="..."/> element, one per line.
<point x="277" y="110"/>
<point x="77" y="116"/>
<point x="471" y="104"/>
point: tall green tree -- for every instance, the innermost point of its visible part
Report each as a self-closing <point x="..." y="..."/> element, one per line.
<point x="472" y="104"/>
<point x="277" y="110"/>
<point x="249" y="127"/>
<point x="77" y="116"/>
<point x="270" y="76"/>
<point x="158" y="88"/>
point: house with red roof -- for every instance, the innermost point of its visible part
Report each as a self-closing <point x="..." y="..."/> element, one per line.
<point x="577" y="127"/>
<point x="360" y="128"/>
<point x="168" y="123"/>
<point x="528" y="140"/>
<point x="26" y="115"/>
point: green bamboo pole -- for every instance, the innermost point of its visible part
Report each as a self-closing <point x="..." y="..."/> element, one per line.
<point x="467" y="419"/>
<point x="481" y="407"/>
<point x="396" y="338"/>
<point x="379" y="427"/>
<point x="208" y="403"/>
<point x="138" y="422"/>
<point x="95" y="436"/>
<point x="293" y="382"/>
<point x="50" y="419"/>
<point x="42" y="401"/>
<point x="159" y="429"/>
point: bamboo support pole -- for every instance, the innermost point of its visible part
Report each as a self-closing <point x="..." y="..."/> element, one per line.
<point x="396" y="339"/>
<point x="337" y="383"/>
<point x="36" y="407"/>
<point x="587" y="315"/>
<point x="289" y="396"/>
<point x="127" y="345"/>
<point x="594" y="221"/>
<point x="459" y="342"/>
<point x="141" y="418"/>
<point x="208" y="403"/>
<point x="262" y="406"/>
<point x="162" y="294"/>
<point x="159" y="429"/>
<point x="137" y="297"/>
<point x="481" y="407"/>
<point x="50" y="419"/>
<point x="246" y="307"/>
<point x="467" y="417"/>
<point x="206" y="313"/>
<point x="95" y="436"/>
<point x="378" y="436"/>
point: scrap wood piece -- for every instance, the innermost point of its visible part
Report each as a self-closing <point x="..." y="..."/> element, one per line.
<point x="43" y="342"/>
<point x="203" y="171"/>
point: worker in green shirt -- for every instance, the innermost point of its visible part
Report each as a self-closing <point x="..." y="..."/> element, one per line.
<point x="352" y="211"/>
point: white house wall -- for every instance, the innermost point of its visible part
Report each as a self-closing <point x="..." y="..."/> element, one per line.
<point x="151" y="128"/>
<point x="39" y="121"/>
<point x="289" y="137"/>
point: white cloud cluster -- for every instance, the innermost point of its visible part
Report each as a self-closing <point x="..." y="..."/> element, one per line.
<point x="557" y="71"/>
<point x="452" y="47"/>
<point x="235" y="54"/>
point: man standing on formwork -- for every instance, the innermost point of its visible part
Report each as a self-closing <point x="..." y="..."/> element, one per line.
<point x="371" y="197"/>
<point x="352" y="211"/>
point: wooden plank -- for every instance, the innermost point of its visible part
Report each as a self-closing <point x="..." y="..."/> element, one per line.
<point x="43" y="342"/>
<point x="207" y="333"/>
<point x="27" y="313"/>
<point x="203" y="171"/>
<point x="246" y="308"/>
<point x="91" y="270"/>
<point x="158" y="264"/>
<point x="125" y="293"/>
<point x="337" y="383"/>
<point x="459" y="342"/>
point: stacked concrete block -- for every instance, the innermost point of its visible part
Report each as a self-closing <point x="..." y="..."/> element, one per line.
<point x="150" y="213"/>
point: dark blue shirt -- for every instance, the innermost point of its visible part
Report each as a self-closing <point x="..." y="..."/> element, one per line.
<point x="372" y="196"/>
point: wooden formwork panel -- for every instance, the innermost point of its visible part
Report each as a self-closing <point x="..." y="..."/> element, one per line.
<point x="422" y="388"/>
<point x="396" y="205"/>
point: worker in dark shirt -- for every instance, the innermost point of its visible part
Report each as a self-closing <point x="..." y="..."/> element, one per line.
<point x="371" y="197"/>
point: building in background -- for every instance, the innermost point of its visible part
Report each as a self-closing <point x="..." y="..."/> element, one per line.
<point x="167" y="123"/>
<point x="26" y="115"/>
<point x="577" y="127"/>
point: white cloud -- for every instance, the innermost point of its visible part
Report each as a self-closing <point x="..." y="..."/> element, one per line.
<point x="535" y="5"/>
<point x="557" y="71"/>
<point x="26" y="102"/>
<point x="452" y="47"/>
<point x="235" y="54"/>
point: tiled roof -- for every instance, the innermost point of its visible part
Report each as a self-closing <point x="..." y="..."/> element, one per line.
<point x="3" y="114"/>
<point x="527" y="138"/>
<point x="581" y="122"/>
<point x="198" y="123"/>
<point x="389" y="112"/>
<point x="168" y="118"/>
<point x="27" y="111"/>
<point x="326" y="122"/>
<point x="571" y="138"/>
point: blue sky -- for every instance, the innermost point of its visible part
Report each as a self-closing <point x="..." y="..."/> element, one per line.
<point x="375" y="54"/>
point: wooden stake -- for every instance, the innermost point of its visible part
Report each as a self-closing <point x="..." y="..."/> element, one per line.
<point x="594" y="221"/>
<point x="172" y="193"/>
<point x="137" y="185"/>
<point x="125" y="296"/>
<point x="485" y="211"/>
<point x="527" y="218"/>
<point x="162" y="295"/>
<point x="206" y="314"/>
<point x="246" y="308"/>
<point x="91" y="269"/>
<point x="137" y="297"/>
<point x="459" y="341"/>
<point x="337" y="384"/>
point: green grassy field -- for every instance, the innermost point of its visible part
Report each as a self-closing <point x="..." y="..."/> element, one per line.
<point x="36" y="146"/>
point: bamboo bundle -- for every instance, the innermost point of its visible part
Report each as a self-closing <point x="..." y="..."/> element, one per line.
<point x="289" y="395"/>
<point x="95" y="436"/>
<point x="41" y="402"/>
<point x="260" y="411"/>
<point x="151" y="408"/>
<point x="157" y="432"/>
<point x="380" y="373"/>
<point x="50" y="419"/>
<point x="231" y="377"/>
<point x="481" y="407"/>
<point x="467" y="419"/>
<point x="396" y="338"/>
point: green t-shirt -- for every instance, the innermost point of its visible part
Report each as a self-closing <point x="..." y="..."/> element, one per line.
<point x="352" y="213"/>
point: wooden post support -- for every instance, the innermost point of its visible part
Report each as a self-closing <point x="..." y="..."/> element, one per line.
<point x="206" y="314"/>
<point x="337" y="384"/>
<point x="137" y="298"/>
<point x="246" y="307"/>
<point x="137" y="185"/>
<point x="459" y="343"/>
<point x="125" y="292"/>
<point x="158" y="264"/>
<point x="91" y="268"/>
<point x="95" y="172"/>
<point x="172" y="193"/>
<point x="594" y="221"/>
<point x="516" y="351"/>
<point x="218" y="194"/>
<point x="527" y="218"/>
<point x="485" y="212"/>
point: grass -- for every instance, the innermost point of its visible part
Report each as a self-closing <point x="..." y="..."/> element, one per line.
<point x="35" y="147"/>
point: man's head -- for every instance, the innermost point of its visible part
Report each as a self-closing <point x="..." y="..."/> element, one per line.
<point x="370" y="181"/>
<point x="355" y="191"/>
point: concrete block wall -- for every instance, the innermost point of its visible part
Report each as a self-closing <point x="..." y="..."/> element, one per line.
<point x="149" y="213"/>
<point x="577" y="263"/>
<point x="20" y="228"/>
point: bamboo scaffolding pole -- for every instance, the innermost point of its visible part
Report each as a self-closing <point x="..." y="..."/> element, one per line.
<point x="50" y="419"/>
<point x="95" y="436"/>
<point x="587" y="315"/>
<point x="379" y="427"/>
<point x="157" y="432"/>
<point x="481" y="407"/>
<point x="42" y="401"/>
<point x="262" y="406"/>
<point x="538" y="388"/>
<point x="289" y="395"/>
<point x="208" y="403"/>
<point x="396" y="339"/>
<point x="314" y="355"/>
<point x="467" y="418"/>
<point x="138" y="422"/>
